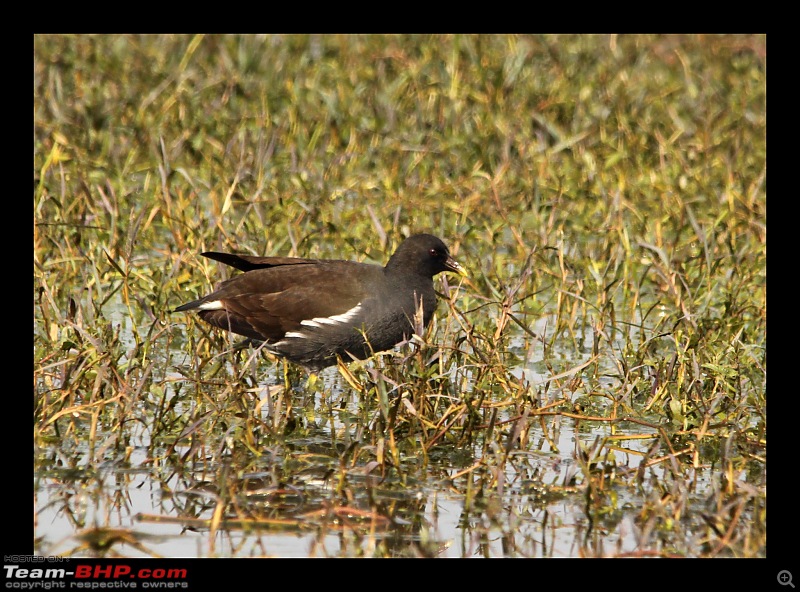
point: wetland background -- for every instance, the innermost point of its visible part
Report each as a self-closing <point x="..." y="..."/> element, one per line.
<point x="596" y="389"/>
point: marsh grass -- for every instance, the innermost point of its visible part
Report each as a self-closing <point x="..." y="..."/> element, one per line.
<point x="607" y="195"/>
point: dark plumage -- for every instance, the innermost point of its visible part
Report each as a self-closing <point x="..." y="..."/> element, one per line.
<point x="311" y="311"/>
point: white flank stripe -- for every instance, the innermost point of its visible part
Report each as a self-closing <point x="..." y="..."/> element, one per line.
<point x="282" y="342"/>
<point x="318" y="322"/>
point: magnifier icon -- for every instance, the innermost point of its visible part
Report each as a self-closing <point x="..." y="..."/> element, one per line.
<point x="785" y="578"/>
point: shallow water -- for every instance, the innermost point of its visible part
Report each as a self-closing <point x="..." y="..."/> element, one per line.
<point x="480" y="501"/>
<point x="539" y="515"/>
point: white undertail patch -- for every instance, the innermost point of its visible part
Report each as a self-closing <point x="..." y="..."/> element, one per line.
<point x="212" y="305"/>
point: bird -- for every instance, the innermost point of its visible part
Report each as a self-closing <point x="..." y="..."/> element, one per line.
<point x="314" y="312"/>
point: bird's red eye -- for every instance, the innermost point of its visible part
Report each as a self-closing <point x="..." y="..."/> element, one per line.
<point x="433" y="253"/>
